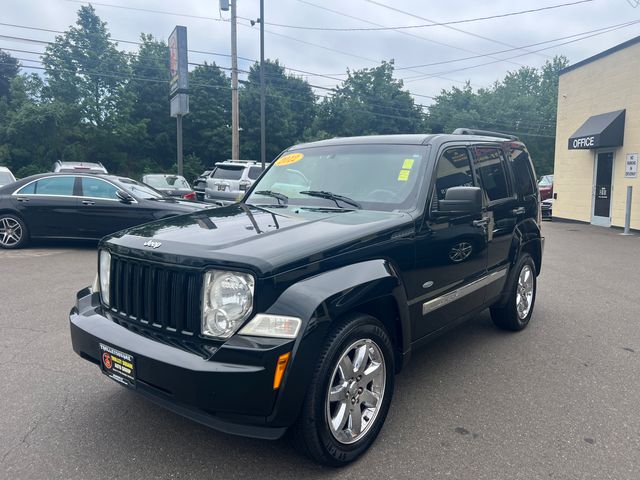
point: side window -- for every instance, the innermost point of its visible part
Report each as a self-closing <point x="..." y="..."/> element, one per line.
<point x="454" y="170"/>
<point x="96" y="188"/>
<point x="51" y="186"/>
<point x="254" y="172"/>
<point x="490" y="166"/>
<point x="524" y="176"/>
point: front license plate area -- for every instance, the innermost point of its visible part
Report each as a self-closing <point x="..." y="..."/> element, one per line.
<point x="118" y="365"/>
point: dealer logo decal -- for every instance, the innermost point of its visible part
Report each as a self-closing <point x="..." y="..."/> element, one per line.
<point x="106" y="359"/>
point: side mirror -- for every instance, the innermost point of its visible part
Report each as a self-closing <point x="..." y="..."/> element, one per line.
<point x="461" y="201"/>
<point x="124" y="196"/>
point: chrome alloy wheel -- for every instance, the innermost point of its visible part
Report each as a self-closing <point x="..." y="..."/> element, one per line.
<point x="10" y="232"/>
<point x="356" y="391"/>
<point x="524" y="292"/>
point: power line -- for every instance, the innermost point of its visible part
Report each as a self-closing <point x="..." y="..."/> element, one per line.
<point x="628" y="24"/>
<point x="425" y="25"/>
<point x="394" y="9"/>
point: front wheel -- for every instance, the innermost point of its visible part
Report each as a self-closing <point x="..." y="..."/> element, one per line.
<point x="349" y="395"/>
<point x="13" y="231"/>
<point x="517" y="311"/>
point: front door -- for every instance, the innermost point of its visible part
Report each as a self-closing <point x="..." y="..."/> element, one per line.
<point x="451" y="253"/>
<point x="602" y="190"/>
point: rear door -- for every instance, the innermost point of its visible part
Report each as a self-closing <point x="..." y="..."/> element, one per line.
<point x="49" y="206"/>
<point x="503" y="208"/>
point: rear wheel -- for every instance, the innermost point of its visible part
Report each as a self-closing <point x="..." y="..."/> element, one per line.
<point x="518" y="309"/>
<point x="349" y="395"/>
<point x="13" y="231"/>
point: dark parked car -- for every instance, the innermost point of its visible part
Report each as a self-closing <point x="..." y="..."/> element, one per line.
<point x="545" y="185"/>
<point x="83" y="206"/>
<point x="170" y="185"/>
<point x="296" y="307"/>
<point x="200" y="183"/>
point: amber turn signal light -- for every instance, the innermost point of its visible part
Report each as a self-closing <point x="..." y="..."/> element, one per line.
<point x="281" y="366"/>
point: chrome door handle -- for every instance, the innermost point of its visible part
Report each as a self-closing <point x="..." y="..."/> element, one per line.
<point x="481" y="223"/>
<point x="22" y="199"/>
<point x="88" y="202"/>
<point x="518" y="211"/>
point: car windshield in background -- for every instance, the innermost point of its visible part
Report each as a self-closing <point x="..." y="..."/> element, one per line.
<point x="373" y="177"/>
<point x="5" y="178"/>
<point x="546" y="180"/>
<point x="167" y="181"/>
<point x="139" y="190"/>
<point x="228" y="172"/>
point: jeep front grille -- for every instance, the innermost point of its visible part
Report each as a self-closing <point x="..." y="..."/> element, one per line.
<point x="158" y="297"/>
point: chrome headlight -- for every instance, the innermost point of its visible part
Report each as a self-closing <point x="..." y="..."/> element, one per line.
<point x="227" y="300"/>
<point x="104" y="271"/>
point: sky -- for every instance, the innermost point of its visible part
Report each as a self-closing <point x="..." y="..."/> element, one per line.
<point x="330" y="53"/>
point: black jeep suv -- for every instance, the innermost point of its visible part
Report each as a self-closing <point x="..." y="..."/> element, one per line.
<point x="295" y="308"/>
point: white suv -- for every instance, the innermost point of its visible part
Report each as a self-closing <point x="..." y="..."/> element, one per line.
<point x="6" y="177"/>
<point x="230" y="180"/>
<point x="79" y="167"/>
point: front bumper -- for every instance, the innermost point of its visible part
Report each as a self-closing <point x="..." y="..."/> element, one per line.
<point x="232" y="391"/>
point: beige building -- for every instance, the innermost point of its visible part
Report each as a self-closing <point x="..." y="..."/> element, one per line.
<point x="598" y="138"/>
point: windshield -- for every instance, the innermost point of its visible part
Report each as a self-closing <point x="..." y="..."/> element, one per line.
<point x="377" y="177"/>
<point x="546" y="181"/>
<point x="166" y="181"/>
<point x="228" y="172"/>
<point x="5" y="178"/>
<point x="139" y="190"/>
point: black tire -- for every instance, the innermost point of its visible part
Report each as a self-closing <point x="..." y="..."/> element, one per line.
<point x="507" y="316"/>
<point x="312" y="434"/>
<point x="11" y="226"/>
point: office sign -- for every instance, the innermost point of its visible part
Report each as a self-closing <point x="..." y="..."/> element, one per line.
<point x="178" y="66"/>
<point x="631" y="166"/>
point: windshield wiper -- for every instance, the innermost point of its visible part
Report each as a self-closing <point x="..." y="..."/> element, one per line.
<point x="281" y="197"/>
<point x="332" y="196"/>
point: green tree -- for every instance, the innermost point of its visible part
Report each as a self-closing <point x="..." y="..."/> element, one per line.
<point x="207" y="130"/>
<point x="9" y="69"/>
<point x="289" y="110"/>
<point x="370" y="101"/>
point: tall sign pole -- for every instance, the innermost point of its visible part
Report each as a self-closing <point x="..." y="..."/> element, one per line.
<point x="178" y="85"/>
<point x="263" y="141"/>
<point x="235" y="140"/>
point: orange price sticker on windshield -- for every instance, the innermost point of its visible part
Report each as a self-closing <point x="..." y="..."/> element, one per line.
<point x="289" y="159"/>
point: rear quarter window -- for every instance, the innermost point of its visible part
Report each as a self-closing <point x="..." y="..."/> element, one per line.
<point x="523" y="172"/>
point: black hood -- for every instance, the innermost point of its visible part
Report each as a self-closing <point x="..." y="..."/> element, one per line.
<point x="266" y="240"/>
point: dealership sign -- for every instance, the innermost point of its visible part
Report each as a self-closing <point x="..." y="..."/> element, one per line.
<point x="584" y="142"/>
<point x="631" y="166"/>
<point x="178" y="66"/>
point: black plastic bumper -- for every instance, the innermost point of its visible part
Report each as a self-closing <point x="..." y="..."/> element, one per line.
<point x="232" y="391"/>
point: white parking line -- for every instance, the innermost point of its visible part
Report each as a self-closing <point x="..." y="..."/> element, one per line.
<point x="29" y="253"/>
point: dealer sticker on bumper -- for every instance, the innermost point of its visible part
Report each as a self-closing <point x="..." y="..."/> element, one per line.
<point x="117" y="365"/>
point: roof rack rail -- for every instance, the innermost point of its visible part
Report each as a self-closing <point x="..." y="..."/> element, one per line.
<point x="485" y="133"/>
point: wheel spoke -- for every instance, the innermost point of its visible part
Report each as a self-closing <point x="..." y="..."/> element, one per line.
<point x="360" y="359"/>
<point x="355" y="421"/>
<point x="369" y="398"/>
<point x="346" y="367"/>
<point x="340" y="419"/>
<point x="371" y="373"/>
<point x="338" y="393"/>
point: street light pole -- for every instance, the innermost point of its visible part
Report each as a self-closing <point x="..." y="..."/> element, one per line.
<point x="235" y="140"/>
<point x="263" y="141"/>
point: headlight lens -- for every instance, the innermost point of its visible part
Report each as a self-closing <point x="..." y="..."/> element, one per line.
<point x="276" y="326"/>
<point x="104" y="270"/>
<point x="227" y="302"/>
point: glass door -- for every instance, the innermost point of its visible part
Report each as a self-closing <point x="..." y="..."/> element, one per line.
<point x="602" y="189"/>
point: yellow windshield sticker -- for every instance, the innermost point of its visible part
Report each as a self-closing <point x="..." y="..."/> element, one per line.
<point x="403" y="176"/>
<point x="289" y="159"/>
<point x="408" y="163"/>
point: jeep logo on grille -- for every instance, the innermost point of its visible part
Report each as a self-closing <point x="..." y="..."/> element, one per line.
<point x="152" y="244"/>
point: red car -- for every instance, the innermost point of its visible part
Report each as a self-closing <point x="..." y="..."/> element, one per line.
<point x="545" y="185"/>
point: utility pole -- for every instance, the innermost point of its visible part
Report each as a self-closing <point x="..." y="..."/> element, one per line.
<point x="263" y="122"/>
<point x="235" y="140"/>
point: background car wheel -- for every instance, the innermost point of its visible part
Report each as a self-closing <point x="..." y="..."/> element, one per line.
<point x="349" y="393"/>
<point x="516" y="313"/>
<point x="13" y="231"/>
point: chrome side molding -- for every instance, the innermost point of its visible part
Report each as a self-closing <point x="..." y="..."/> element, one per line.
<point x="454" y="295"/>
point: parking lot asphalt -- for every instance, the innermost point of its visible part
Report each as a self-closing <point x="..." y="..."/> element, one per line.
<point x="558" y="400"/>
